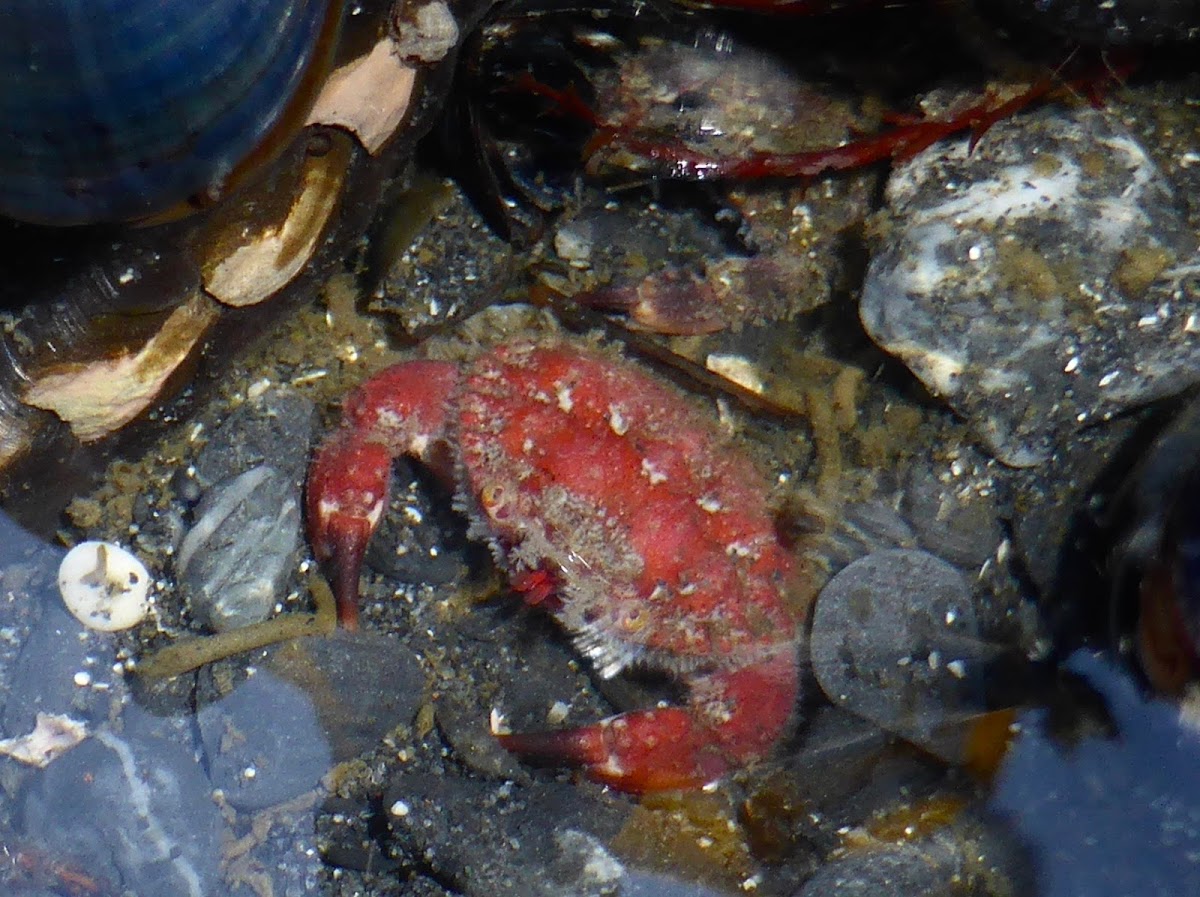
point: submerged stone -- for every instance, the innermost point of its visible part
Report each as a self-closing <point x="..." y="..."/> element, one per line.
<point x="1039" y="281"/>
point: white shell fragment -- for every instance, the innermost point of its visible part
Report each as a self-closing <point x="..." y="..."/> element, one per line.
<point x="104" y="586"/>
<point x="53" y="736"/>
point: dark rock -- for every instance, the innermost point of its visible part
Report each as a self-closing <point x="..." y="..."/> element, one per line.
<point x="138" y="814"/>
<point x="893" y="871"/>
<point x="504" y="841"/>
<point x="361" y="685"/>
<point x="263" y="743"/>
<point x="274" y="428"/>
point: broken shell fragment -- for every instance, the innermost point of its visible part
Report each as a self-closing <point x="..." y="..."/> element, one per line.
<point x="97" y="397"/>
<point x="104" y="586"/>
<point x="53" y="736"/>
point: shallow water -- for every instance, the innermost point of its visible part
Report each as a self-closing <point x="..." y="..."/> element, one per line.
<point x="973" y="720"/>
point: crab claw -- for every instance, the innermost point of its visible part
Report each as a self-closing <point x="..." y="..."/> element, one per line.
<point x="638" y="752"/>
<point x="734" y="717"/>
<point x="674" y="300"/>
<point x="399" y="411"/>
<point x="347" y="489"/>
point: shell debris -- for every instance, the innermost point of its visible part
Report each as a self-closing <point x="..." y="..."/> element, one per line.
<point x="104" y="586"/>
<point x="54" y="735"/>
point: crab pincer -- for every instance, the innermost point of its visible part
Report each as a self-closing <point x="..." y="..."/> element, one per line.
<point x="617" y="506"/>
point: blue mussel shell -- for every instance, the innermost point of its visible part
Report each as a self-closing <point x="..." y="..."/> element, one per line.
<point x="120" y="109"/>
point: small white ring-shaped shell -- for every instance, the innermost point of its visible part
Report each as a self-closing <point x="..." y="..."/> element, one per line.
<point x="104" y="586"/>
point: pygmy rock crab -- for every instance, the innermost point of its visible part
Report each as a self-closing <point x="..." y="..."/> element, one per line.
<point x="616" y="506"/>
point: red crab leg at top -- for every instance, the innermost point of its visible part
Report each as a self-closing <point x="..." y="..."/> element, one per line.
<point x="786" y="7"/>
<point x="677" y="161"/>
<point x="900" y="142"/>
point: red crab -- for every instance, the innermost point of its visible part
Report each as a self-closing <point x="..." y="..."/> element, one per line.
<point x="615" y="505"/>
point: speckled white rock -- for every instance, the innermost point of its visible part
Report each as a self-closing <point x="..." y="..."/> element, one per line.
<point x="1041" y="282"/>
<point x="104" y="586"/>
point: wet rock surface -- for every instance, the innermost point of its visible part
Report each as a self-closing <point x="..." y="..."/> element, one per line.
<point x="44" y="676"/>
<point x="487" y="839"/>
<point x="981" y="288"/>
<point x="135" y="812"/>
<point x="895" y="639"/>
<point x="262" y="742"/>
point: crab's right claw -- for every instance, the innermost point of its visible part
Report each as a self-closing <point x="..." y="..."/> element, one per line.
<point x="347" y="490"/>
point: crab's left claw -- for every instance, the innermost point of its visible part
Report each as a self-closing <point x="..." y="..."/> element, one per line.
<point x="347" y="489"/>
<point x="639" y="752"/>
<point x="734" y="717"/>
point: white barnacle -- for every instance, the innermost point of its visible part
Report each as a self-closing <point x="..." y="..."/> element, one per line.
<point x="565" y="402"/>
<point x="617" y="420"/>
<point x="652" y="472"/>
<point x="710" y="504"/>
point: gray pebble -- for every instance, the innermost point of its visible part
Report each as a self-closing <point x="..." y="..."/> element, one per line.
<point x="894" y="640"/>
<point x="235" y="561"/>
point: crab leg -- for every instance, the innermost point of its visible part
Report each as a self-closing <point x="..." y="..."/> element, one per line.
<point x="733" y="718"/>
<point x="400" y="411"/>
